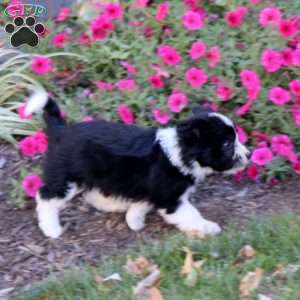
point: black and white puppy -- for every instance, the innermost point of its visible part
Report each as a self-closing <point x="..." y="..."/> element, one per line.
<point x="124" y="168"/>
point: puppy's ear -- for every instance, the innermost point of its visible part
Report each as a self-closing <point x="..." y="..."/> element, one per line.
<point x="201" y="110"/>
<point x="192" y="130"/>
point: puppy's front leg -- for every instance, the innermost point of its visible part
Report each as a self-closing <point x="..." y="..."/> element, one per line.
<point x="136" y="214"/>
<point x="187" y="218"/>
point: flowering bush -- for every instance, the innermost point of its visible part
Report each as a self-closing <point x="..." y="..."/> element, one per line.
<point x="149" y="63"/>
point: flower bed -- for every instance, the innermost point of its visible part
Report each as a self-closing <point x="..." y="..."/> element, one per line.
<point x="149" y="62"/>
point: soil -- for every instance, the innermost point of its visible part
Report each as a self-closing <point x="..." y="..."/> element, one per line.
<point x="27" y="256"/>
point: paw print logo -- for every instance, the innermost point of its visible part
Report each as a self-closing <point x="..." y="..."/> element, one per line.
<point x="24" y="31"/>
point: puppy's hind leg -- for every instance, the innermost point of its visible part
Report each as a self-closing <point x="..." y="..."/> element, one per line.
<point x="136" y="214"/>
<point x="48" y="212"/>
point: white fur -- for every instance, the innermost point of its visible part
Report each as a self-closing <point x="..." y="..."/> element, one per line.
<point x="36" y="102"/>
<point x="106" y="204"/>
<point x="136" y="214"/>
<point x="168" y="140"/>
<point x="48" y="212"/>
<point x="225" y="119"/>
<point x="188" y="218"/>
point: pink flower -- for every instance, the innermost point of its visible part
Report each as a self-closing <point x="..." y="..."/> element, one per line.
<point x="113" y="10"/>
<point x="156" y="81"/>
<point x="31" y="185"/>
<point x="271" y="60"/>
<point x="177" y="102"/>
<point x="87" y="119"/>
<point x="269" y="15"/>
<point x="224" y="92"/>
<point x="160" y="116"/>
<point x="101" y="26"/>
<point x="280" y="142"/>
<point x="253" y="172"/>
<point x="28" y="146"/>
<point x="103" y="85"/>
<point x="60" y="39"/>
<point x="254" y="2"/>
<point x="295" y="87"/>
<point x="287" y="28"/>
<point x="213" y="56"/>
<point x="287" y="56"/>
<point x="261" y="156"/>
<point x="296" y="58"/>
<point x="63" y="14"/>
<point x="140" y="4"/>
<point x="197" y="50"/>
<point x="196" y="77"/>
<point x="279" y="96"/>
<point x="296" y="115"/>
<point x="126" y="85"/>
<point x="238" y="176"/>
<point x="211" y="105"/>
<point x="169" y="55"/>
<point x="84" y="39"/>
<point x="41" y="65"/>
<point x="192" y="21"/>
<point x="296" y="167"/>
<point x="162" y="11"/>
<point x="21" y="112"/>
<point x="129" y="67"/>
<point x="242" y="135"/>
<point x="250" y="79"/>
<point x="235" y="17"/>
<point x="125" y="114"/>
<point x="242" y="110"/>
<point x="41" y="140"/>
<point x="251" y="83"/>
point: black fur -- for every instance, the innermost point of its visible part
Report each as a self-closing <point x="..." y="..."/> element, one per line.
<point x="127" y="161"/>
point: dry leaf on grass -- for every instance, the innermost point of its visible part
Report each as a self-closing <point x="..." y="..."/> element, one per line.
<point x="280" y="271"/>
<point x="188" y="262"/>
<point x="146" y="288"/>
<point x="245" y="253"/>
<point x="264" y="297"/>
<point x="154" y="294"/>
<point x="195" y="234"/>
<point x="250" y="282"/>
<point x="107" y="282"/>
<point x="190" y="269"/>
<point x="139" y="266"/>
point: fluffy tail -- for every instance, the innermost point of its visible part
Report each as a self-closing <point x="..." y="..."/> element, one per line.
<point x="40" y="100"/>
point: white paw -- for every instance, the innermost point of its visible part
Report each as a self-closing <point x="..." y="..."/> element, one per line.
<point x="210" y="228"/>
<point x="53" y="231"/>
<point x="135" y="223"/>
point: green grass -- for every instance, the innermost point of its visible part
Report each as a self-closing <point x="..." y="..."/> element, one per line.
<point x="276" y="240"/>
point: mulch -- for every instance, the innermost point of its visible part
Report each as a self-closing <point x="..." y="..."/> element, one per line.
<point x="27" y="256"/>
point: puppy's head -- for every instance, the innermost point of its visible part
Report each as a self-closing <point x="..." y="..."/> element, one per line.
<point x="211" y="139"/>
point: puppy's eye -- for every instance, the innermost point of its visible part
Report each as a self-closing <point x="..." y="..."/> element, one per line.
<point x="227" y="144"/>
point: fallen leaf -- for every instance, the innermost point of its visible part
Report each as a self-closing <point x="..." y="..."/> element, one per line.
<point x="141" y="290"/>
<point x="195" y="234"/>
<point x="139" y="266"/>
<point x="154" y="294"/>
<point x="264" y="297"/>
<point x="245" y="253"/>
<point x="279" y="271"/>
<point x="250" y="282"/>
<point x="190" y="269"/>
<point x="188" y="262"/>
<point x="107" y="282"/>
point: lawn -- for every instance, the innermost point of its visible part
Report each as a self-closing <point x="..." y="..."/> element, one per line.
<point x="272" y="250"/>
